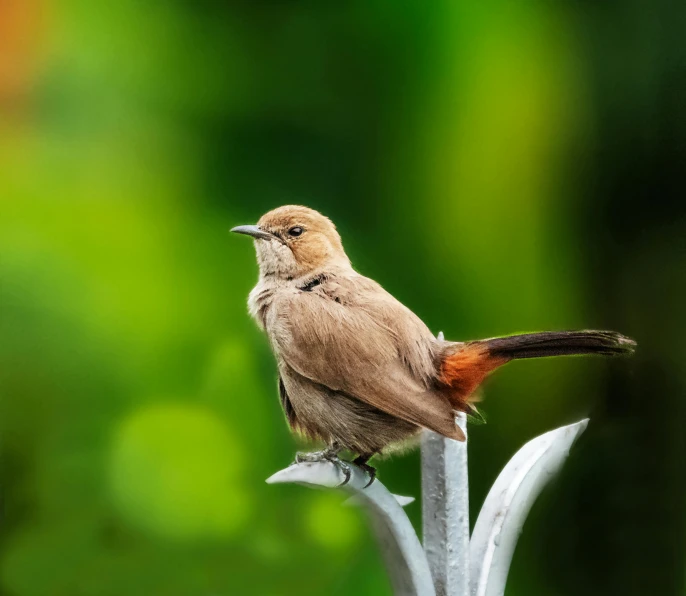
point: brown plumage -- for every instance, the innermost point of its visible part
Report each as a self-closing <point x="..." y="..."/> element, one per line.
<point x="357" y="369"/>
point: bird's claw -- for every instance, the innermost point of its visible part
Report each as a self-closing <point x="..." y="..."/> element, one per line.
<point x="372" y="478"/>
<point x="326" y="455"/>
<point x="369" y="469"/>
<point x="344" y="467"/>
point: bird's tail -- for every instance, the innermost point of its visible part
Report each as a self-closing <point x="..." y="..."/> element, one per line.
<point x="559" y="343"/>
<point x="464" y="366"/>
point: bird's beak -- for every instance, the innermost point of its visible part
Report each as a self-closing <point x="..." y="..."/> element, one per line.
<point x="253" y="231"/>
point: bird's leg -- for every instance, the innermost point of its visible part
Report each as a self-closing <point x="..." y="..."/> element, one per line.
<point x="361" y="462"/>
<point x="331" y="451"/>
<point x="329" y="454"/>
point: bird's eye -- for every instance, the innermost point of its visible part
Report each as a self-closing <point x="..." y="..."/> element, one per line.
<point x="295" y="231"/>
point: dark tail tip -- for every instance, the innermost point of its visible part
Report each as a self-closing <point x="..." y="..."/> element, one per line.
<point x="625" y="344"/>
<point x="562" y="343"/>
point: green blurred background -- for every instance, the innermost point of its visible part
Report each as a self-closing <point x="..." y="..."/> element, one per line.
<point x="498" y="166"/>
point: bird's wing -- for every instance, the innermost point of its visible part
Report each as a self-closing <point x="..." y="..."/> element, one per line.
<point x="288" y="409"/>
<point x="351" y="336"/>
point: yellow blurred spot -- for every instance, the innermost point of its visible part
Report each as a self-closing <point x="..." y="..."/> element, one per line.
<point x="331" y="524"/>
<point x="175" y="471"/>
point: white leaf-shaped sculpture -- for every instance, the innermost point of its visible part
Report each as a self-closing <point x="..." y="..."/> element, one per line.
<point x="403" y="554"/>
<point x="460" y="566"/>
<point x="503" y="513"/>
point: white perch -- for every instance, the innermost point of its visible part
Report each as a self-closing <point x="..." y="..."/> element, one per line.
<point x="450" y="564"/>
<point x="403" y="554"/>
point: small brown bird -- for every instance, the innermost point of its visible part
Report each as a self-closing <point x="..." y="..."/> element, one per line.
<point x="357" y="369"/>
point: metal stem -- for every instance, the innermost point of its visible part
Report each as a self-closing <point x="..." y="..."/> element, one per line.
<point x="445" y="511"/>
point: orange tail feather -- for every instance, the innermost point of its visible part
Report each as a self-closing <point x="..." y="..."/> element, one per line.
<point x="465" y="368"/>
<point x="463" y="371"/>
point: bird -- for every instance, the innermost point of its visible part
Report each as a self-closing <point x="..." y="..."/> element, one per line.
<point x="358" y="370"/>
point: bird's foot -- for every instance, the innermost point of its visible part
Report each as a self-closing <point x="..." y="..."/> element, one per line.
<point x="312" y="456"/>
<point x="361" y="462"/>
<point x="329" y="455"/>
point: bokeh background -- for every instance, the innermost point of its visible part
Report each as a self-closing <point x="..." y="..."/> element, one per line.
<point x="498" y="166"/>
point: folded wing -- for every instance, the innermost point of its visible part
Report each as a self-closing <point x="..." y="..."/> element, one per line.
<point x="353" y="337"/>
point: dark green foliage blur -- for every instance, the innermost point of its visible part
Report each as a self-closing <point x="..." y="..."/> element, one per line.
<point x="498" y="166"/>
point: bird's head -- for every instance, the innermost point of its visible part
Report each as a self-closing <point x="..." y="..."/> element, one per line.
<point x="294" y="241"/>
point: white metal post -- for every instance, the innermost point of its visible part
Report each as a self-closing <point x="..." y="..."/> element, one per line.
<point x="445" y="511"/>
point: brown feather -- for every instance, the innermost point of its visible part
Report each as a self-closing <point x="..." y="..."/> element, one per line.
<point x="287" y="406"/>
<point x="348" y="335"/>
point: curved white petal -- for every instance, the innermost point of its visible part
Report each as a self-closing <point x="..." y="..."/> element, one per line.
<point x="405" y="560"/>
<point x="356" y="501"/>
<point x="508" y="503"/>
